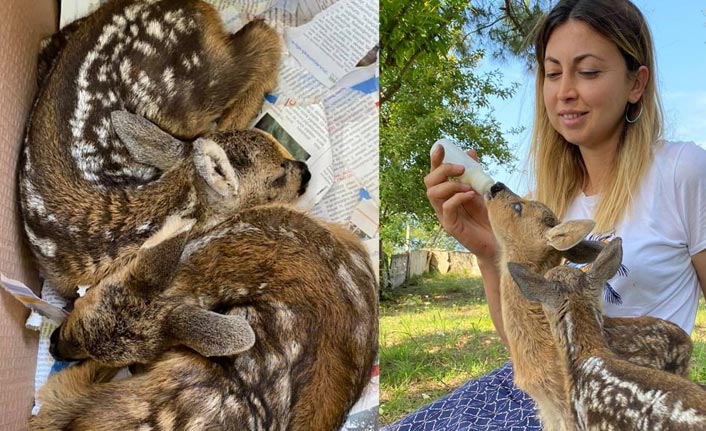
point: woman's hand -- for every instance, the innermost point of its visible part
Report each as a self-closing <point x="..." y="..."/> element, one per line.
<point x="459" y="208"/>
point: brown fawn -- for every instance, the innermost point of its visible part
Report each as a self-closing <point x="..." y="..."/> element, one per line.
<point x="530" y="234"/>
<point x="305" y="287"/>
<point x="604" y="391"/>
<point x="87" y="203"/>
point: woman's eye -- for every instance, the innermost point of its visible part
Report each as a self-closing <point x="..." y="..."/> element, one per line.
<point x="552" y="75"/>
<point x="589" y="73"/>
<point x="517" y="207"/>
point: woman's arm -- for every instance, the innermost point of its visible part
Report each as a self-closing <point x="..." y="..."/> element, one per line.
<point x="699" y="262"/>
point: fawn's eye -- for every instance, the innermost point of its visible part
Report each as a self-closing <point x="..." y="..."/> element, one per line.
<point x="517" y="207"/>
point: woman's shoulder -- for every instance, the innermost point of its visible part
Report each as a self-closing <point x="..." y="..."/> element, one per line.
<point x="684" y="160"/>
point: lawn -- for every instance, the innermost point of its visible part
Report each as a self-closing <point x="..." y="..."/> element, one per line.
<point x="436" y="333"/>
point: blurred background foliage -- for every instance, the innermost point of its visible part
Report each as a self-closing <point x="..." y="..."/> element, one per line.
<point x="432" y="87"/>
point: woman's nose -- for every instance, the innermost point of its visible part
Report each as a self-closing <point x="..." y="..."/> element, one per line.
<point x="567" y="87"/>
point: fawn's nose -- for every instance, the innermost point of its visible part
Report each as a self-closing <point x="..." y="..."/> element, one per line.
<point x="497" y="188"/>
<point x="53" y="343"/>
<point x="306" y="176"/>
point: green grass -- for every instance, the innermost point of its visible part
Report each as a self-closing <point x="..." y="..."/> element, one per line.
<point x="436" y="334"/>
<point x="698" y="357"/>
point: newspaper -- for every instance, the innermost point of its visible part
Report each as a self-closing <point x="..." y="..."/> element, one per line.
<point x="324" y="110"/>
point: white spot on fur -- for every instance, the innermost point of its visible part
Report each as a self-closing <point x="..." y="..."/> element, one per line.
<point x="131" y="11"/>
<point x="45" y="246"/>
<point x="144" y="227"/>
<point x="173" y="226"/>
<point x="285" y="318"/>
<point x="154" y="29"/>
<point x="103" y="73"/>
<point x="293" y="350"/>
<point x="125" y="67"/>
<point x="109" y="32"/>
<point x="33" y="200"/>
<point x="168" y="79"/>
<point x="28" y="163"/>
<point x="273" y="362"/>
<point x="197" y="244"/>
<point x="180" y="25"/>
<point x="172" y="38"/>
<point x="100" y="131"/>
<point x="145" y="48"/>
<point x="360" y="262"/>
<point x="351" y="288"/>
<point x="117" y="158"/>
<point x="241" y="227"/>
<point x="81" y="290"/>
<point x="288" y="233"/>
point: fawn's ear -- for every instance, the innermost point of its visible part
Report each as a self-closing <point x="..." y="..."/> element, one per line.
<point x="147" y="143"/>
<point x="583" y="252"/>
<point x="569" y="233"/>
<point x="210" y="333"/>
<point x="607" y="263"/>
<point x="159" y="255"/>
<point x="213" y="166"/>
<point x="533" y="286"/>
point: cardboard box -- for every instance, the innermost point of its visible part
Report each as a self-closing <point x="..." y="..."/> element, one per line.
<point x="23" y="24"/>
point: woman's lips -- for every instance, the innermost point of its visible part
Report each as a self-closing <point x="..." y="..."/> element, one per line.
<point x="572" y="119"/>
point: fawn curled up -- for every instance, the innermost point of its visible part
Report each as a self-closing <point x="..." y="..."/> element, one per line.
<point x="606" y="392"/>
<point x="530" y="234"/>
<point x="305" y="287"/>
<point x="269" y="320"/>
<point x="87" y="203"/>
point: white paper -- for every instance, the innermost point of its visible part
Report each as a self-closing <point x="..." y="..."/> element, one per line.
<point x="71" y="10"/>
<point x="336" y="39"/>
<point x="25" y="295"/>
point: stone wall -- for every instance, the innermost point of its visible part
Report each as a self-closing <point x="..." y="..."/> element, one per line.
<point x="421" y="261"/>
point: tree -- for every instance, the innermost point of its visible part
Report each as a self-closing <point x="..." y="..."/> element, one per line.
<point x="430" y="88"/>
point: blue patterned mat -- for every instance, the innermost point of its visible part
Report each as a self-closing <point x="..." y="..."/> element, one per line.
<point x="490" y="403"/>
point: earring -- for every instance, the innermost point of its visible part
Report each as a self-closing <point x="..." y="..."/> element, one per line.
<point x="634" y="120"/>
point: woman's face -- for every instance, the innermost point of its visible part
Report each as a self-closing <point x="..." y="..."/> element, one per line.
<point x="586" y="85"/>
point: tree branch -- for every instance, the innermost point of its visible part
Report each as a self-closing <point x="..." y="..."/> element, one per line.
<point x="394" y="88"/>
<point x="511" y="16"/>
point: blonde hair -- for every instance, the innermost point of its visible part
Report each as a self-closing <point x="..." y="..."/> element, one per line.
<point x="558" y="167"/>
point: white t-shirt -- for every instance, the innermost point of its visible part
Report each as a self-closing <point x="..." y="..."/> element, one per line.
<point x="667" y="225"/>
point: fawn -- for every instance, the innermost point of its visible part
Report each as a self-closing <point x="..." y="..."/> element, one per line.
<point x="305" y="287"/>
<point x="87" y="204"/>
<point x="530" y="234"/>
<point x="605" y="391"/>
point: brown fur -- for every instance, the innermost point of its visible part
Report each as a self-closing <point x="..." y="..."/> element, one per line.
<point x="606" y="392"/>
<point x="83" y="194"/>
<point x="305" y="287"/>
<point x="534" y="237"/>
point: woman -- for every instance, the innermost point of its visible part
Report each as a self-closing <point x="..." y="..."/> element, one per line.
<point x="597" y="153"/>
